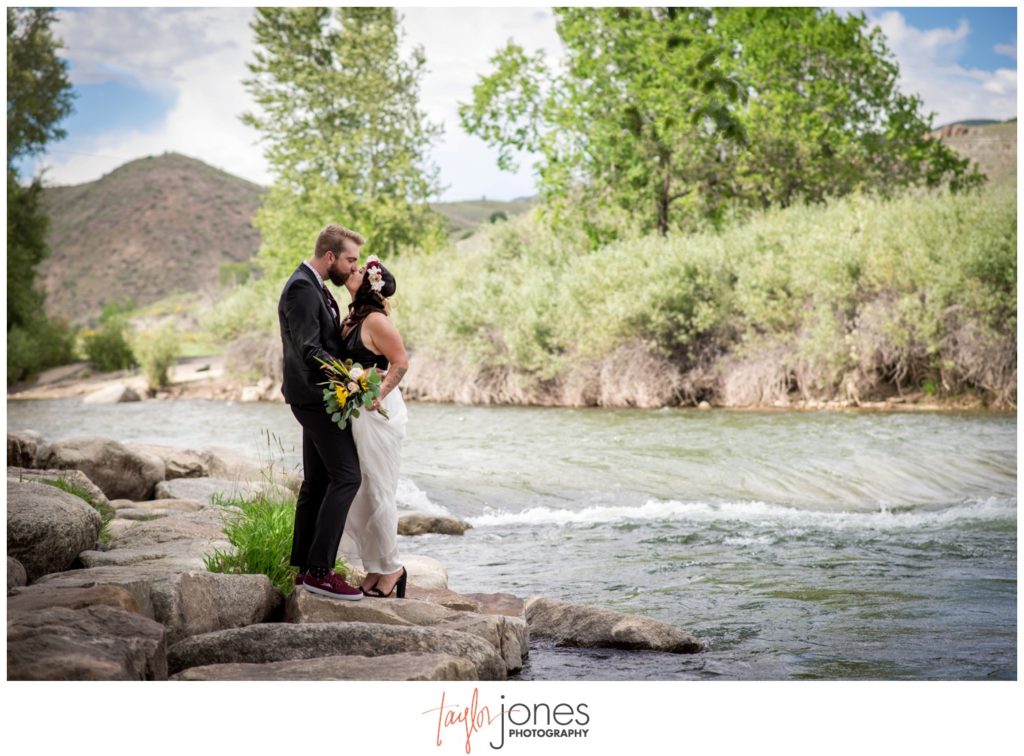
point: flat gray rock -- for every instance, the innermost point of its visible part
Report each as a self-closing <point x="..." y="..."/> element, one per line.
<point x="118" y="471"/>
<point x="157" y="505"/>
<point x="48" y="528"/>
<point x="498" y="603"/>
<point x="186" y="603"/>
<point x="416" y="666"/>
<point x="275" y="642"/>
<point x="176" y="556"/>
<point x="444" y="597"/>
<point x="204" y="490"/>
<point x="34" y="597"/>
<point x="112" y="394"/>
<point x="507" y="635"/>
<point x="77" y="478"/>
<point x="94" y="643"/>
<point x="588" y="626"/>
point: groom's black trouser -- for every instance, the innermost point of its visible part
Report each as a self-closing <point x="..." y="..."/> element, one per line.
<point x="330" y="480"/>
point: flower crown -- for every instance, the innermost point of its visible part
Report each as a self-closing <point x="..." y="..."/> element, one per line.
<point x="373" y="272"/>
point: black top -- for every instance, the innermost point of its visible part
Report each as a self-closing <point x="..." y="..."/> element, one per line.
<point x="357" y="351"/>
<point x="309" y="330"/>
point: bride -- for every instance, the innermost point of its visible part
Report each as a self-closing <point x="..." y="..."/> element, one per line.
<point x="371" y="530"/>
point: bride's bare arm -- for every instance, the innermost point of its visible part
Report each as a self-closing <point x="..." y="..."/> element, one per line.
<point x="385" y="339"/>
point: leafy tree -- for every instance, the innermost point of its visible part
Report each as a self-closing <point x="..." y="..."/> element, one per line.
<point x="672" y="114"/>
<point x="637" y="120"/>
<point x="338" y="111"/>
<point x="825" y="117"/>
<point x="38" y="98"/>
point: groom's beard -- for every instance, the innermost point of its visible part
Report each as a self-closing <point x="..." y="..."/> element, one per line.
<point x="337" y="277"/>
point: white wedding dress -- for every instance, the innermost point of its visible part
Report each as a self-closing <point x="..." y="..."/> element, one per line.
<point x="371" y="530"/>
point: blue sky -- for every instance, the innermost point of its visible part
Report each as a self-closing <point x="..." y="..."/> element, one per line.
<point x="137" y="97"/>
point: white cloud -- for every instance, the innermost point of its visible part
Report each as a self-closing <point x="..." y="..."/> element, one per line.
<point x="458" y="44"/>
<point x="928" y="67"/>
<point x="1010" y="51"/>
<point x="194" y="57"/>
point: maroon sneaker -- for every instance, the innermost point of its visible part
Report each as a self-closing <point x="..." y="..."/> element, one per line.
<point x="300" y="579"/>
<point x="332" y="586"/>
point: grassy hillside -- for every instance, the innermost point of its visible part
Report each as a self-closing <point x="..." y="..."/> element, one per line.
<point x="465" y="217"/>
<point x="149" y="229"/>
<point x="162" y="226"/>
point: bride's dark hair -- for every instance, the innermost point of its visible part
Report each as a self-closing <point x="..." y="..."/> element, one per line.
<point x="367" y="300"/>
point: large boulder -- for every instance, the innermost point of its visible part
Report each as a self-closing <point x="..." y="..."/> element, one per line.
<point x="275" y="642"/>
<point x="509" y="636"/>
<point x="414" y="666"/>
<point x="595" y="627"/>
<point x="120" y="472"/>
<point x="186" y="603"/>
<point x="94" y="643"/>
<point x="16" y="575"/>
<point x="419" y="524"/>
<point x="178" y="463"/>
<point x="23" y="448"/>
<point x="48" y="528"/>
<point x="425" y="572"/>
<point x="115" y="393"/>
<point x="75" y="478"/>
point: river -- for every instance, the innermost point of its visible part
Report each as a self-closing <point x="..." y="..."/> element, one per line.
<point x="796" y="545"/>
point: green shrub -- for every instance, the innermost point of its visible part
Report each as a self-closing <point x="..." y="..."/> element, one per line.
<point x="852" y="293"/>
<point x="106" y="512"/>
<point x="108" y="349"/>
<point x="37" y="346"/>
<point x="157" y="350"/>
<point x="260" y="531"/>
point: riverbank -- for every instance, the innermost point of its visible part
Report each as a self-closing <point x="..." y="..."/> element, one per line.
<point x="204" y="378"/>
<point x="108" y="579"/>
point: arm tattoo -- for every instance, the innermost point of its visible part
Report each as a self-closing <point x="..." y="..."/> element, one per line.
<point x="391" y="380"/>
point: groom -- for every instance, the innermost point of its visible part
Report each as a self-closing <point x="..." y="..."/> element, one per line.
<point x="310" y="329"/>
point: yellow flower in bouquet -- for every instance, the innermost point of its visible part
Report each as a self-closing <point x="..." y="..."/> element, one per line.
<point x="348" y="389"/>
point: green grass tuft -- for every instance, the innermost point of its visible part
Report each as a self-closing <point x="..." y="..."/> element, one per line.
<point x="107" y="512"/>
<point x="260" y="530"/>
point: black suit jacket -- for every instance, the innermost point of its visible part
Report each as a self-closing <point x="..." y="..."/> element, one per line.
<point x="308" y="331"/>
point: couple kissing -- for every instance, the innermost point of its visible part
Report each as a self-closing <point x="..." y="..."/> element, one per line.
<point x="350" y="473"/>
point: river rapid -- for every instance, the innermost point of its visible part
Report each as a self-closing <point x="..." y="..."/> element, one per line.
<point x="795" y="545"/>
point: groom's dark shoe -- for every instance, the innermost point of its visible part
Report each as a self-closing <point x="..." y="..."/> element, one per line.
<point x="333" y="586"/>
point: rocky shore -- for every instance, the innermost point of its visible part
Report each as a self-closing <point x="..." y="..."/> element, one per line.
<point x="126" y="596"/>
<point x="206" y="378"/>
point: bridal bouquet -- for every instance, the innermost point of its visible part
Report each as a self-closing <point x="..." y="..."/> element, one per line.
<point x="347" y="388"/>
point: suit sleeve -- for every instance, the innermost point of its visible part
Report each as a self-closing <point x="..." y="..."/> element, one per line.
<point x="302" y="311"/>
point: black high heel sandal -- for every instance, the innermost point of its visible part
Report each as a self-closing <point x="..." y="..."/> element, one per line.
<point x="399" y="585"/>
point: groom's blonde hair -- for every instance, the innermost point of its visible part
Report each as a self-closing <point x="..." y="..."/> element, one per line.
<point x="331" y="236"/>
